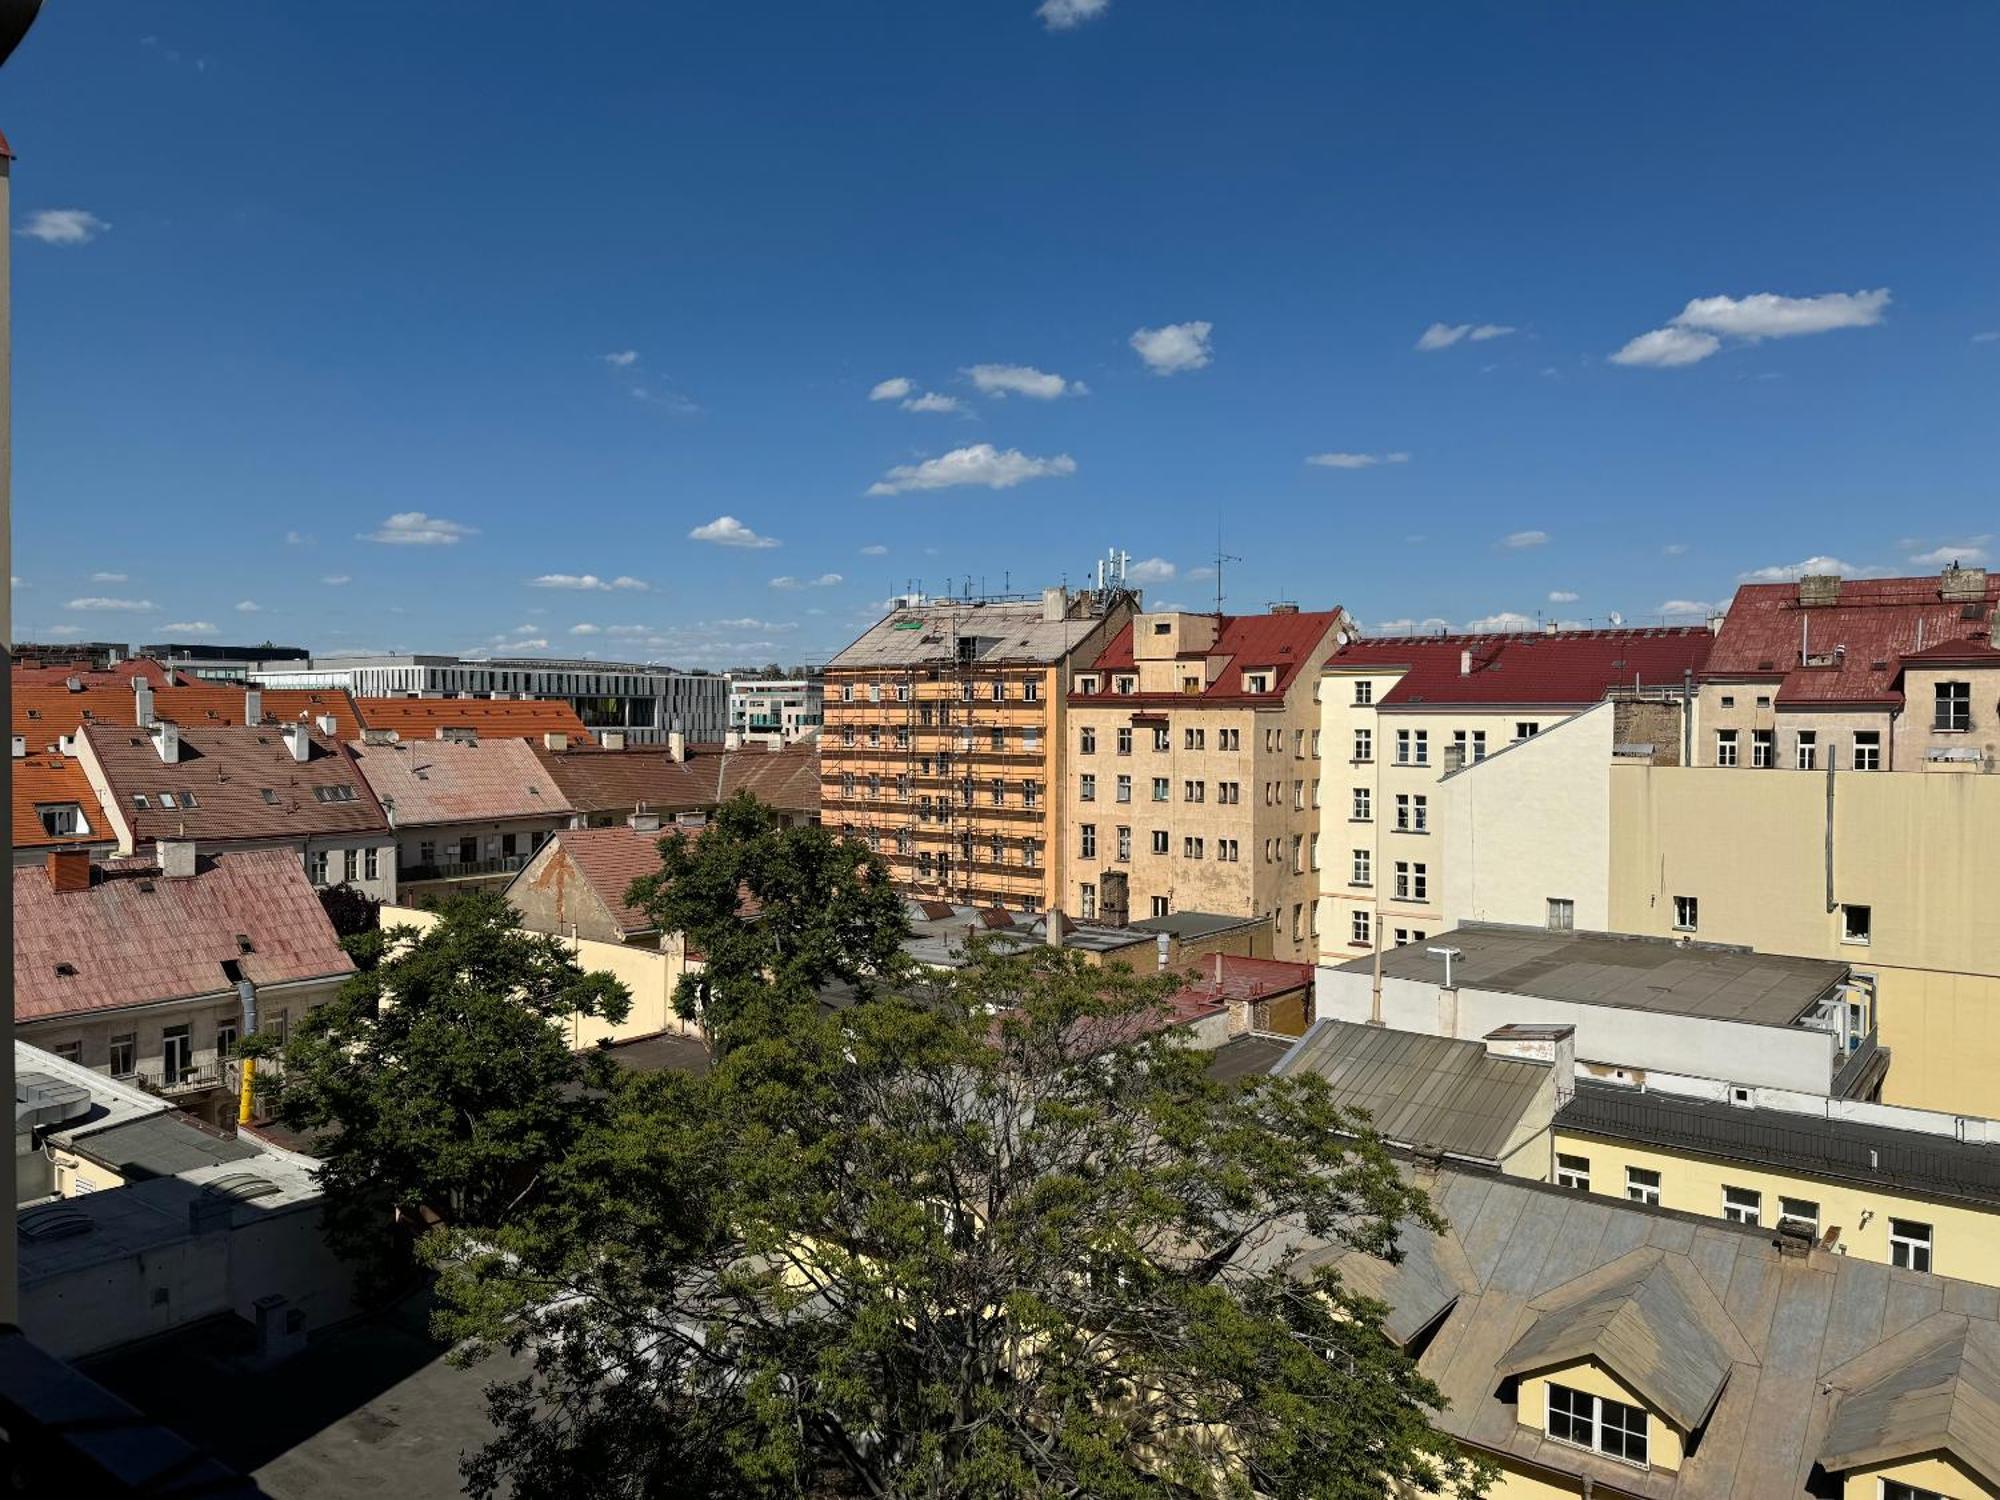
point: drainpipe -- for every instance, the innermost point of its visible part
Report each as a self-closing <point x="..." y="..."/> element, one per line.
<point x="1830" y="752"/>
<point x="1375" y="990"/>
<point x="1687" y="716"/>
<point x="246" y="1095"/>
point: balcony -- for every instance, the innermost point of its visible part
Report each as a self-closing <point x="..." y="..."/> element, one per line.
<point x="179" y="1083"/>
<point x="473" y="869"/>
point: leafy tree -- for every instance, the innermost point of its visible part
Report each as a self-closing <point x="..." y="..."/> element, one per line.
<point x="352" y="912"/>
<point x="825" y="913"/>
<point x="1005" y="1240"/>
<point x="439" y="1078"/>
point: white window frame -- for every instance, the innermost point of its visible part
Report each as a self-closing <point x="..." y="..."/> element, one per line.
<point x="1572" y="1172"/>
<point x="1595" y="1420"/>
<point x="1742" y="1205"/>
<point x="1638" y="1190"/>
<point x="1725" y="747"/>
<point x="1911" y="1244"/>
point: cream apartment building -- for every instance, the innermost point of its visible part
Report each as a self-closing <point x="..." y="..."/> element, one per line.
<point x="1396" y="715"/>
<point x="1195" y="771"/>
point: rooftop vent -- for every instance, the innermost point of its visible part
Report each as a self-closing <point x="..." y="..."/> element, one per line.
<point x="56" y="1221"/>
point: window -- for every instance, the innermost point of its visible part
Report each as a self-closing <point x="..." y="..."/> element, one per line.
<point x="1124" y="842"/>
<point x="1799" y="1213"/>
<point x="1088" y="742"/>
<point x="124" y="1055"/>
<point x="999" y="690"/>
<point x="168" y="804"/>
<point x="62" y="819"/>
<point x="316" y="866"/>
<point x="1191" y="848"/>
<point x="1194" y="739"/>
<point x="1159" y="906"/>
<point x="1124" y="684"/>
<point x="1086" y="788"/>
<point x="1229" y="791"/>
<point x="1160" y="789"/>
<point x="1359" y="929"/>
<point x="1526" y="729"/>
<point x="1228" y="849"/>
<point x="1298" y="796"/>
<point x="1087" y="902"/>
<point x="1315" y="745"/>
<point x="1562" y="914"/>
<point x="1954" y="707"/>
<point x="1808" y="749"/>
<point x="1413" y="747"/>
<point x="350" y="865"/>
<point x="1364" y="692"/>
<point x="1687" y="913"/>
<point x="1256" y="682"/>
<point x="1728" y="700"/>
<point x="1124" y="788"/>
<point x="847" y="692"/>
<point x="1642" y="1185"/>
<point x="1573" y="1172"/>
<point x="1895" y="1489"/>
<point x="997" y="741"/>
<point x="1194" y="791"/>
<point x="1412" y="881"/>
<point x="1412" y="812"/>
<point x="1742" y="1205"/>
<point x="1229" y="739"/>
<point x="1160" y="740"/>
<point x="176" y="1053"/>
<point x="68" y="1051"/>
<point x="1364" y="868"/>
<point x="1363" y="802"/>
<point x="1031" y="690"/>
<point x="1909" y="1244"/>
<point x="1364" y="745"/>
<point x="1125" y="741"/>
<point x="1031" y="793"/>
<point x="1159" y="841"/>
<point x="225" y="1040"/>
<point x="1725" y="747"/>
<point x="1856" y="923"/>
<point x="1087" y="840"/>
<point x="1472" y="751"/>
<point x="1867" y="749"/>
<point x="1315" y="851"/>
<point x="1763" y="748"/>
<point x="1597" y="1422"/>
<point x="1298" y="854"/>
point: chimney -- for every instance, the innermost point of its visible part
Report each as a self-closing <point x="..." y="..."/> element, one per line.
<point x="20" y="746"/>
<point x="328" y="725"/>
<point x="555" y="739"/>
<point x="1553" y="627"/>
<point x="1957" y="585"/>
<point x="176" y="856"/>
<point x="1052" y="924"/>
<point x="733" y="740"/>
<point x="142" y="703"/>
<point x="253" y="706"/>
<point x="642" y="821"/>
<point x="1055" y="605"/>
<point x="297" y="740"/>
<point x="1551" y="1044"/>
<point x="614" y="739"/>
<point x="69" y="870"/>
<point x="379" y="737"/>
<point x="1465" y="661"/>
<point x="1819" y="588"/>
<point x="458" y="734"/>
<point x="677" y="746"/>
<point x="167" y="741"/>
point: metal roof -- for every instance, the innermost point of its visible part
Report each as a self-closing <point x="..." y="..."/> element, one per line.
<point x="1246" y="1057"/>
<point x="1938" y="1387"/>
<point x="1428" y="1093"/>
<point x="1937" y="1165"/>
<point x="163" y="1145"/>
<point x="1003" y="632"/>
<point x="1187" y="925"/>
<point x="1638" y="973"/>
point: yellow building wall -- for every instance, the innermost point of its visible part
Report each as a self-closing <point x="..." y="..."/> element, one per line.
<point x="1917" y="848"/>
<point x="1965" y="1241"/>
<point x="1938" y="1473"/>
<point x="1663" y="1442"/>
<point x="1519" y="1484"/>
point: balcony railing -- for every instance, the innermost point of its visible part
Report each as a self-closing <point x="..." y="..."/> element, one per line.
<point x="170" y="1083"/>
<point x="463" y="869"/>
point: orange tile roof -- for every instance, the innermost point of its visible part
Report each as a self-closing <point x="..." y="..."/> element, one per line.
<point x="443" y="781"/>
<point x="514" y="718"/>
<point x="42" y="778"/>
<point x="45" y="704"/>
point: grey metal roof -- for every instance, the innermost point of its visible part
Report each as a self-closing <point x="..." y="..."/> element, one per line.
<point x="1246" y="1057"/>
<point x="1010" y="632"/>
<point x="164" y="1145"/>
<point x="1802" y="1321"/>
<point x="1194" y="924"/>
<point x="1652" y="1324"/>
<point x="1428" y="1093"/>
<point x="1936" y="1388"/>
<point x="1640" y="973"/>
<point x="1939" y="1166"/>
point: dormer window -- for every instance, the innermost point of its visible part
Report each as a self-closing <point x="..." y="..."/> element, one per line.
<point x="1087" y="684"/>
<point x="1124" y="684"/>
<point x="1598" y="1423"/>
<point x="1256" y="682"/>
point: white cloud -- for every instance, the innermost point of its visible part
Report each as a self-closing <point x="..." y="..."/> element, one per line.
<point x="1355" y="460"/>
<point x="622" y="359"/>
<point x="1561" y="596"/>
<point x="60" y="630"/>
<point x="335" y="580"/>
<point x="1516" y="540"/>
<point x="412" y="528"/>
<point x="1667" y="348"/>
<point x="585" y="629"/>
<point x="1973" y="552"/>
<point x="727" y="531"/>
<point x="1403" y="626"/>
<point x="589" y="582"/>
<point x="63" y="226"/>
<point x="248" y="607"/>
<point x="1444" y="335"/>
<point x="1067" y="15"/>
<point x="893" y="389"/>
<point x="824" y="581"/>
<point x="626" y="632"/>
<point x="875" y="549"/>
<point x="107" y="577"/>
<point x="981" y="463"/>
<point x="1507" y="619"/>
<point x="1991" y="336"/>
<point x="297" y="539"/>
<point x="188" y="627"/>
<point x="99" y="602"/>
<point x="1700" y="608"/>
<point x="932" y="401"/>
<point x="1768" y="316"/>
<point x="1174" y="348"/>
<point x="1022" y="380"/>
<point x="1675" y="549"/>
<point x="1151" y="570"/>
<point x="1787" y="572"/>
<point x="1487" y="331"/>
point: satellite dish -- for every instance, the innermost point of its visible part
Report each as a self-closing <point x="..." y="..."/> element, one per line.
<point x="1616" y="618"/>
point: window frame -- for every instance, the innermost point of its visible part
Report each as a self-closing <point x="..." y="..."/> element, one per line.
<point x="1905" y="1249"/>
<point x="1586" y="1412"/>
<point x="1637" y="1190"/>
<point x="1741" y="1205"/>
<point x="1572" y="1172"/>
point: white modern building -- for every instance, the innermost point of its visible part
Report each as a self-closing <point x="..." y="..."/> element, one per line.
<point x="647" y="702"/>
<point x="791" y="708"/>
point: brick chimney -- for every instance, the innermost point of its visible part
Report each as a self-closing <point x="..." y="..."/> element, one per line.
<point x="1542" y="1043"/>
<point x="69" y="870"/>
<point x="1819" y="588"/>
<point x="253" y="706"/>
<point x="1957" y="585"/>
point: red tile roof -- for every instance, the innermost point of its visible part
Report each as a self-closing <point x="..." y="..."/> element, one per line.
<point x="1880" y="622"/>
<point x="618" y="781"/>
<point x="246" y="784"/>
<point x="136" y="936"/>
<point x="519" y="718"/>
<point x="1241" y="979"/>
<point x="40" y="779"/>
<point x="1281" y="642"/>
<point x="610" y="859"/>
<point x="445" y="781"/>
<point x="1520" y="669"/>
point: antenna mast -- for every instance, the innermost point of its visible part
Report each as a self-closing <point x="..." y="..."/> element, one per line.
<point x="1221" y="557"/>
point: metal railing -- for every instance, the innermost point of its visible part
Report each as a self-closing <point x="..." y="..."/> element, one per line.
<point x="193" y="1079"/>
<point x="463" y="869"/>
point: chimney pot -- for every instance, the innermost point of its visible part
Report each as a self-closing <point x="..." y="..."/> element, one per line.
<point x="555" y="740"/>
<point x="69" y="870"/>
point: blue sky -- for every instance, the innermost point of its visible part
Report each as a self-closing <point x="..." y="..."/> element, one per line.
<point x="441" y="299"/>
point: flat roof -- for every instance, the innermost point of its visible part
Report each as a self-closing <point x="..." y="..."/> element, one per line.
<point x="1637" y="973"/>
<point x="1194" y="924"/>
<point x="1938" y="1166"/>
<point x="1247" y="1056"/>
<point x="162" y="1145"/>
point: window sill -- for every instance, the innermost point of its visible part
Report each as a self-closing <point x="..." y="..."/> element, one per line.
<point x="1679" y="928"/>
<point x="1855" y="942"/>
<point x="1422" y="832"/>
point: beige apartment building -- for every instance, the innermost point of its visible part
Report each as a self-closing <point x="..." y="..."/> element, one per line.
<point x="1397" y="715"/>
<point x="945" y="740"/>
<point x="1878" y="674"/>
<point x="1194" y="771"/>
